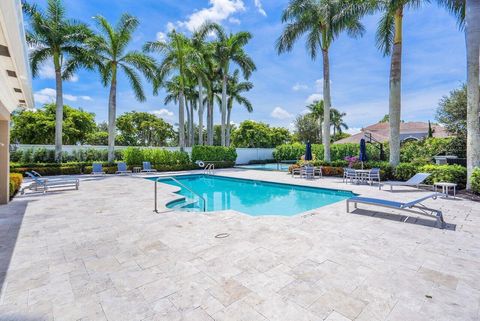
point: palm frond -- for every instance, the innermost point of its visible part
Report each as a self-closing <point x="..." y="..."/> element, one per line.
<point x="135" y="82"/>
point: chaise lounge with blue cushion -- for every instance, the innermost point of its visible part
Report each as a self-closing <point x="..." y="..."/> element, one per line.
<point x="122" y="168"/>
<point x="147" y="168"/>
<point x="97" y="169"/>
<point x="408" y="207"/>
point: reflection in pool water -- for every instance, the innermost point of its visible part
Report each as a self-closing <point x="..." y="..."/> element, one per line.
<point x="252" y="197"/>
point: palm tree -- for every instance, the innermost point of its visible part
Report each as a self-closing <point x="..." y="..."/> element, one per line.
<point x="111" y="55"/>
<point x="229" y="48"/>
<point x="317" y="111"/>
<point x="213" y="74"/>
<point x="337" y="121"/>
<point x="53" y="36"/>
<point x="176" y="52"/>
<point x="235" y="89"/>
<point x="323" y="21"/>
<point x="468" y="14"/>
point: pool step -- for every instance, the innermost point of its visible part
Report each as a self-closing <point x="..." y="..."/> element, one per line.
<point x="186" y="205"/>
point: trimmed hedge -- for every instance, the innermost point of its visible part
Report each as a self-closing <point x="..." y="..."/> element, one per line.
<point x="214" y="154"/>
<point x="337" y="151"/>
<point x="475" y="180"/>
<point x="135" y="156"/>
<point x="15" y="182"/>
<point x="446" y="173"/>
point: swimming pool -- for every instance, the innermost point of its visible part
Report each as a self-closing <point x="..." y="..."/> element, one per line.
<point x="252" y="197"/>
<point x="267" y="167"/>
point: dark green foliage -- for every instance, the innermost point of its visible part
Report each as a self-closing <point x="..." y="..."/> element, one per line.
<point x="475" y="180"/>
<point x="214" y="153"/>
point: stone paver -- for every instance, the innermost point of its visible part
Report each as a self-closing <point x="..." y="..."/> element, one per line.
<point x="100" y="253"/>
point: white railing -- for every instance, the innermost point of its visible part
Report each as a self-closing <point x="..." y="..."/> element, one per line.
<point x="181" y="185"/>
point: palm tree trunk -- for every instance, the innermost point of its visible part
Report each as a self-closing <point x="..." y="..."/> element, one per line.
<point x="191" y="130"/>
<point x="395" y="103"/>
<point x="187" y="109"/>
<point x="200" y="112"/>
<point x="472" y="37"/>
<point x="181" y="121"/>
<point x="112" y="106"/>
<point x="327" y="103"/>
<point x="59" y="109"/>
<point x="229" y="112"/>
<point x="224" y="106"/>
<point x="210" y="121"/>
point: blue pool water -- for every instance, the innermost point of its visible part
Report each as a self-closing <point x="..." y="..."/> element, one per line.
<point x="267" y="167"/>
<point x="255" y="198"/>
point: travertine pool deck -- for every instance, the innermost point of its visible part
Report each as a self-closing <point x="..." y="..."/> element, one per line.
<point x="100" y="253"/>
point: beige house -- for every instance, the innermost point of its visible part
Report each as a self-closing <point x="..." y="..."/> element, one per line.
<point x="15" y="80"/>
<point x="408" y="131"/>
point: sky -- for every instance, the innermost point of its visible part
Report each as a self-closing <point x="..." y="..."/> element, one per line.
<point x="433" y="62"/>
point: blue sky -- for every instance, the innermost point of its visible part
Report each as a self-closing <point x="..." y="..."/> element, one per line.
<point x="433" y="62"/>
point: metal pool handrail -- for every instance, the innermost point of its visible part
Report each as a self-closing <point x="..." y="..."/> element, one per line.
<point x="182" y="185"/>
<point x="209" y="169"/>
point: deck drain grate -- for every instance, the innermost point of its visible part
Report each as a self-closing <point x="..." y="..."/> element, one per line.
<point x="222" y="235"/>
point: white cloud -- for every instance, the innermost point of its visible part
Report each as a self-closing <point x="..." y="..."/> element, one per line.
<point x="280" y="113"/>
<point x="70" y="97"/>
<point x="170" y="26"/>
<point x="48" y="95"/>
<point x="218" y="11"/>
<point x="299" y="86"/>
<point x="47" y="71"/>
<point x="258" y="5"/>
<point x="161" y="36"/>
<point x="353" y="130"/>
<point x="314" y="97"/>
<point x="234" y="20"/>
<point x="165" y="113"/>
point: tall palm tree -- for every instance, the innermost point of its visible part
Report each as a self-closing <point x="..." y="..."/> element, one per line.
<point x="53" y="36"/>
<point x="235" y="89"/>
<point x="323" y="21"/>
<point x="468" y="14"/>
<point x="111" y="55"/>
<point x="213" y="73"/>
<point x="337" y="121"/>
<point x="317" y="111"/>
<point x="176" y="53"/>
<point x="229" y="48"/>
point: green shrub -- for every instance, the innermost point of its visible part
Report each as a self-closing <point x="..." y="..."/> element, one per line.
<point x="289" y="151"/>
<point x="214" y="154"/>
<point x="337" y="151"/>
<point x="405" y="170"/>
<point x="475" y="180"/>
<point x="134" y="156"/>
<point x="427" y="149"/>
<point x="446" y="173"/>
<point x="15" y="182"/>
<point x="44" y="155"/>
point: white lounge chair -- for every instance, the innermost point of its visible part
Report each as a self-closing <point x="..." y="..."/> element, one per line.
<point x="97" y="169"/>
<point x="414" y="181"/>
<point x="408" y="207"/>
<point x="122" y="168"/>
<point x="44" y="184"/>
<point x="147" y="168"/>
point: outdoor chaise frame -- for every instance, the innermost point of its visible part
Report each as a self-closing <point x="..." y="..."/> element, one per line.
<point x="45" y="184"/>
<point x="407" y="207"/>
<point x="122" y="168"/>
<point x="147" y="167"/>
<point x="415" y="181"/>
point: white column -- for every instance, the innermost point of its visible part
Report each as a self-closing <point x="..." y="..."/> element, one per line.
<point x="4" y="161"/>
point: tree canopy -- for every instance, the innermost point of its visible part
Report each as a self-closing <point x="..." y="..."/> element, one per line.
<point x="38" y="126"/>
<point x="260" y="135"/>
<point x="143" y="129"/>
<point x="452" y="111"/>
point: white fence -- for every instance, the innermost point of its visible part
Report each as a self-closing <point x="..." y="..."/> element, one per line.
<point x="244" y="155"/>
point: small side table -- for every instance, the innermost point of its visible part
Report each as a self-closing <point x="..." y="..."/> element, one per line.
<point x="137" y="170"/>
<point x="445" y="188"/>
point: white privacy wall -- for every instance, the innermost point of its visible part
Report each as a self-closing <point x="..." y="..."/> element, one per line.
<point x="244" y="155"/>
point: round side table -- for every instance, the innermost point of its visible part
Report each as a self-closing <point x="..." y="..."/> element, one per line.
<point x="445" y="188"/>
